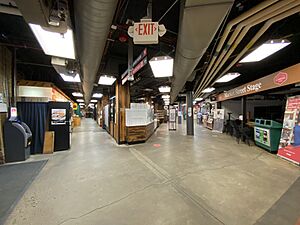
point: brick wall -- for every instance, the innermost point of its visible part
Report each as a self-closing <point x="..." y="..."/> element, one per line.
<point x="5" y="89"/>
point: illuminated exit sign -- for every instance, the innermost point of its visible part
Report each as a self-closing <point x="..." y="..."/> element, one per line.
<point x="146" y="32"/>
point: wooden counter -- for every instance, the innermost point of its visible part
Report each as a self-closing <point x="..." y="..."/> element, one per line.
<point x="139" y="133"/>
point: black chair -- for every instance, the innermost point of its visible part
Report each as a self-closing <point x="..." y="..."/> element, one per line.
<point x="237" y="132"/>
<point x="247" y="135"/>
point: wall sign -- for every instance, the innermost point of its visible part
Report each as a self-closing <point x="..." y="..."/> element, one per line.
<point x="290" y="75"/>
<point x="146" y="32"/>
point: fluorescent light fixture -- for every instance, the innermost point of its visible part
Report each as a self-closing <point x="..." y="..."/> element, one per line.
<point x="67" y="78"/>
<point x="77" y="94"/>
<point x="265" y="50"/>
<point x="167" y="103"/>
<point x="164" y="89"/>
<point x="106" y="80"/>
<point x="194" y="102"/>
<point x="94" y="100"/>
<point x="165" y="96"/>
<point x="208" y="90"/>
<point x="91" y="105"/>
<point x="53" y="43"/>
<point x="162" y="66"/>
<point x="79" y="100"/>
<point x="82" y="104"/>
<point x="198" y="99"/>
<point x="97" y="95"/>
<point x="228" y="77"/>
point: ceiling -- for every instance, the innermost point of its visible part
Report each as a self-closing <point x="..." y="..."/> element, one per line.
<point x="33" y="64"/>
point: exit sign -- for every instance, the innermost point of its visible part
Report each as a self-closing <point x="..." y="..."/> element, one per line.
<point x="145" y="33"/>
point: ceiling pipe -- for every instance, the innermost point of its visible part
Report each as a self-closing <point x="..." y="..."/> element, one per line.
<point x="10" y="10"/>
<point x="264" y="15"/>
<point x="93" y="19"/>
<point x="194" y="36"/>
<point x="229" y="27"/>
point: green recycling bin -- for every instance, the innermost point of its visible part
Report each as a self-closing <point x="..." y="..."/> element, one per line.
<point x="267" y="134"/>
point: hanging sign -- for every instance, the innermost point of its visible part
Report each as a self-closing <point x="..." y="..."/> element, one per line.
<point x="289" y="146"/>
<point x="146" y="32"/>
<point x="285" y="77"/>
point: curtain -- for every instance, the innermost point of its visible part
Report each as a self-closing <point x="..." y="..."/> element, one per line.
<point x="34" y="114"/>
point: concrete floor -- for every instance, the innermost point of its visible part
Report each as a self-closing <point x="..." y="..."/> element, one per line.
<point x="173" y="179"/>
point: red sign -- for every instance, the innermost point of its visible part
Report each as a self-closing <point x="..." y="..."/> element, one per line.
<point x="280" y="78"/>
<point x="146" y="28"/>
<point x="290" y="153"/>
<point x="145" y="32"/>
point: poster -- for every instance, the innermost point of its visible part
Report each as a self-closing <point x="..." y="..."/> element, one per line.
<point x="262" y="136"/>
<point x="289" y="146"/>
<point x="219" y="116"/>
<point x="58" y="116"/>
<point x="172" y="119"/>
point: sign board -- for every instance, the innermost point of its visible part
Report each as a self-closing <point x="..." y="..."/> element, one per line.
<point x="219" y="116"/>
<point x="58" y="116"/>
<point x="135" y="70"/>
<point x="285" y="77"/>
<point x="145" y="33"/>
<point x="172" y="117"/>
<point x="289" y="145"/>
<point x="75" y="106"/>
<point x="13" y="112"/>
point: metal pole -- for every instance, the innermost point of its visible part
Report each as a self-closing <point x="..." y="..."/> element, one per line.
<point x="190" y="114"/>
<point x="244" y="110"/>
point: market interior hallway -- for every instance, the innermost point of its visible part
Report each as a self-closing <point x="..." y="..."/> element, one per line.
<point x="172" y="179"/>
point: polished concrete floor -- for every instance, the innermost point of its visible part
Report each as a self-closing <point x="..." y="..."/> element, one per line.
<point x="173" y="179"/>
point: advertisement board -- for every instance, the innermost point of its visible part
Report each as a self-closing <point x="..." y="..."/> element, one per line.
<point x="58" y="116"/>
<point x="262" y="136"/>
<point x="289" y="146"/>
<point x="219" y="116"/>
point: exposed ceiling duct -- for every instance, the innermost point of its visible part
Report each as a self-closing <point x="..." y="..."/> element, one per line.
<point x="93" y="19"/>
<point x="200" y="20"/>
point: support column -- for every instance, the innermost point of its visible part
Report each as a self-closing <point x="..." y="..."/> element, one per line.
<point x="190" y="116"/>
<point x="13" y="101"/>
<point x="244" y="110"/>
<point x="122" y="102"/>
<point x="180" y="113"/>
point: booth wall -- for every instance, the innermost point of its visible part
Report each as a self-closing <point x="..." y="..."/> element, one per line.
<point x="5" y="89"/>
<point x="235" y="106"/>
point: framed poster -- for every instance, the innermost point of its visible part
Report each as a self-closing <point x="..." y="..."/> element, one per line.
<point x="58" y="116"/>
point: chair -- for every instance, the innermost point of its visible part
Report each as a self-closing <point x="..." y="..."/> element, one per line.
<point x="237" y="132"/>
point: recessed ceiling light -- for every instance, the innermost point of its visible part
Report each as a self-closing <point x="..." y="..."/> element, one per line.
<point x="165" y="96"/>
<point x="67" y="78"/>
<point x="94" y="100"/>
<point x="54" y="43"/>
<point x="228" y="77"/>
<point x="208" y="90"/>
<point x="164" y="89"/>
<point x="77" y="94"/>
<point x="97" y="95"/>
<point x="79" y="100"/>
<point x="162" y="66"/>
<point x="106" y="80"/>
<point x="265" y="50"/>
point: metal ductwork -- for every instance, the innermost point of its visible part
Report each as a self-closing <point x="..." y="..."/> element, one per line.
<point x="93" y="19"/>
<point x="199" y="22"/>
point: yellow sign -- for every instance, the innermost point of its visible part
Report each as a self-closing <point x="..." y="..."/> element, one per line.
<point x="75" y="106"/>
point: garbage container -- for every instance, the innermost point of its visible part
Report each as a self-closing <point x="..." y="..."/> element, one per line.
<point x="267" y="134"/>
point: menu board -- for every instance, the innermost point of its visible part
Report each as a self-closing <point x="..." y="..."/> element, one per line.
<point x="262" y="136"/>
<point x="58" y="116"/>
<point x="219" y="116"/>
<point x="289" y="146"/>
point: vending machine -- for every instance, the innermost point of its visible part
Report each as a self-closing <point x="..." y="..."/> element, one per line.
<point x="59" y="122"/>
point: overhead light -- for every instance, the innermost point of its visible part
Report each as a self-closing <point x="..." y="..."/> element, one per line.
<point x="162" y="66"/>
<point x="198" y="99"/>
<point x="97" y="95"/>
<point x="164" y="89"/>
<point x="167" y="103"/>
<point x="91" y="105"/>
<point x="165" y="96"/>
<point x="53" y="43"/>
<point x="194" y="102"/>
<point x="265" y="50"/>
<point x="228" y="77"/>
<point x="106" y="80"/>
<point x="81" y="104"/>
<point x="67" y="78"/>
<point x="208" y="90"/>
<point x="94" y="100"/>
<point x="77" y="94"/>
<point x="79" y="100"/>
